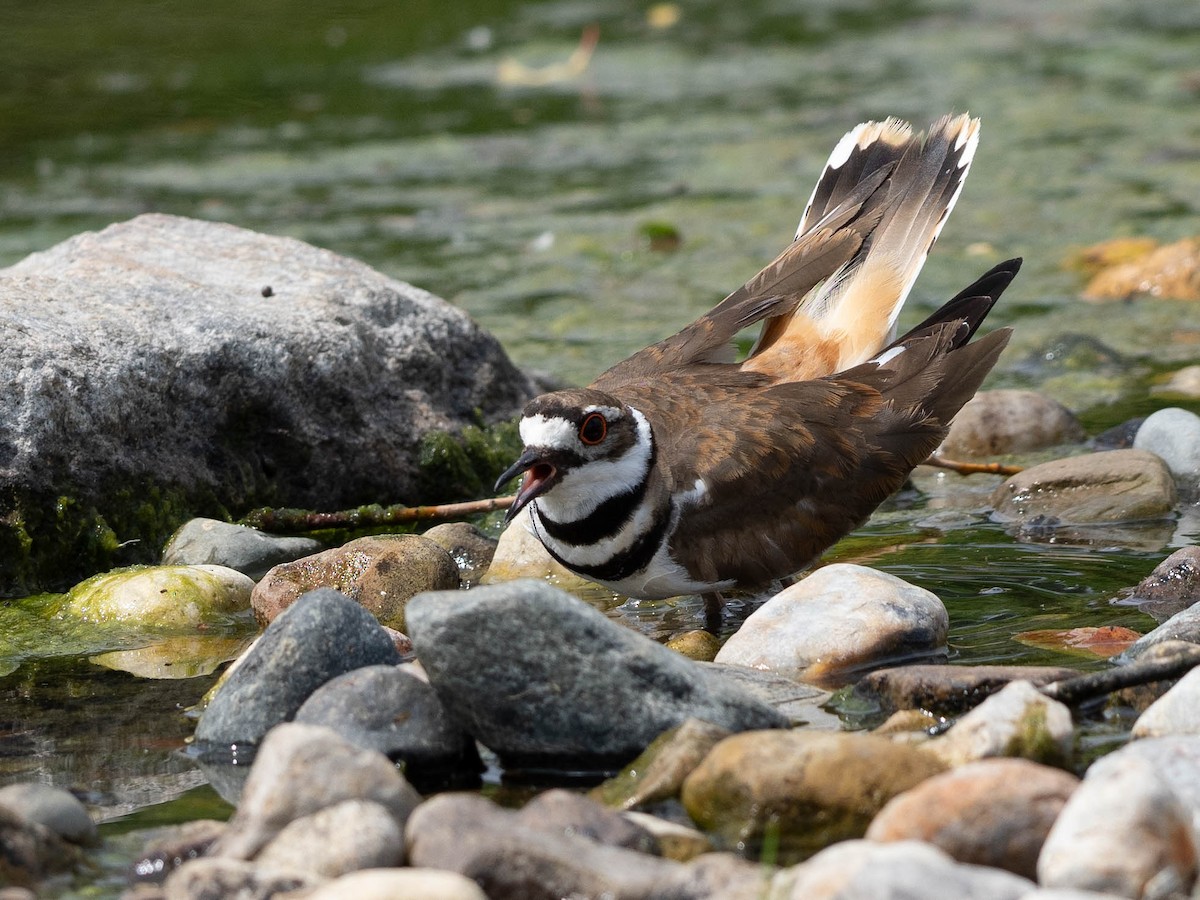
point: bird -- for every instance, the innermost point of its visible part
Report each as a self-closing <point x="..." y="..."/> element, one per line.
<point x="682" y="470"/>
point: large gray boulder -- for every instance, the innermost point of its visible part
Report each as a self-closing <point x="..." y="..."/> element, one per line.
<point x="165" y="367"/>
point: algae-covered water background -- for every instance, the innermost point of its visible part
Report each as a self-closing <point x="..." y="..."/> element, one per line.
<point x="580" y="207"/>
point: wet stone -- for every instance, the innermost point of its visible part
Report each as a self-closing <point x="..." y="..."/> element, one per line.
<point x="589" y="692"/>
<point x="658" y="773"/>
<point x="175" y="845"/>
<point x="248" y="550"/>
<point x="318" y="638"/>
<point x="1174" y="436"/>
<point x="699" y="645"/>
<point x="387" y="708"/>
<point x="1016" y="721"/>
<point x="1172" y="587"/>
<point x="947" y="690"/>
<point x="1122" y="831"/>
<point x="995" y="812"/>
<point x="1010" y="421"/>
<point x="1171" y="271"/>
<point x="812" y="788"/>
<point x="836" y="620"/>
<point x="570" y="813"/>
<point x="30" y="851"/>
<point x="381" y="573"/>
<point x="470" y="548"/>
<point x="301" y="770"/>
<point x="1114" y="486"/>
<point x="162" y="596"/>
<point x="519" y="554"/>
<point x="55" y="808"/>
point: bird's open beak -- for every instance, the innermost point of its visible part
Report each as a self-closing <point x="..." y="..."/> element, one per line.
<point x="540" y="476"/>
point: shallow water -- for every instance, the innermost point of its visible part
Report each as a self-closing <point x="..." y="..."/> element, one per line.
<point x="385" y="133"/>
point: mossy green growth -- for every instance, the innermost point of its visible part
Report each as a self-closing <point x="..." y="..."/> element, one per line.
<point x="167" y="597"/>
<point x="49" y="542"/>
<point x="465" y="465"/>
<point x="1033" y="739"/>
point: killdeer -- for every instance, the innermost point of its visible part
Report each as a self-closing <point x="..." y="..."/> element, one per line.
<point x="680" y="471"/>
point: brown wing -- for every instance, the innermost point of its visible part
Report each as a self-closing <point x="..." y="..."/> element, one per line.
<point x="792" y="468"/>
<point x="805" y="263"/>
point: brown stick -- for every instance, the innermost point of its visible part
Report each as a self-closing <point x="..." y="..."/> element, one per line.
<point x="296" y="520"/>
<point x="970" y="468"/>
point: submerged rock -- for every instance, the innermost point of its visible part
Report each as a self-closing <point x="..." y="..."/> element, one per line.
<point x="161" y="596"/>
<point x="810" y="788"/>
<point x="1170" y="272"/>
<point x="1113" y="486"/>
<point x="166" y="365"/>
<point x="1185" y="381"/>
<point x="250" y="551"/>
<point x="840" y="618"/>
<point x="381" y="573"/>
<point x="947" y="690"/>
<point x="318" y="638"/>
<point x="544" y="679"/>
<point x="1172" y="587"/>
<point x="1010" y="421"/>
<point x="52" y="807"/>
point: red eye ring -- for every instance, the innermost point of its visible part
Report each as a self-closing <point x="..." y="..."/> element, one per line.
<point x="593" y="429"/>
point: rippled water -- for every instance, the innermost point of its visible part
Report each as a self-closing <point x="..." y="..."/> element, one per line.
<point x="387" y="133"/>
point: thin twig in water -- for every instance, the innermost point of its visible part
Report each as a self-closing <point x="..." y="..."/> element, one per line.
<point x="971" y="468"/>
<point x="290" y="521"/>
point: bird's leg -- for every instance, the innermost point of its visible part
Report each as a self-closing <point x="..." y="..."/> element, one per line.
<point x="713" y="604"/>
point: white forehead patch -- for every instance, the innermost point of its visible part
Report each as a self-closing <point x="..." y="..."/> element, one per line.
<point x="547" y="431"/>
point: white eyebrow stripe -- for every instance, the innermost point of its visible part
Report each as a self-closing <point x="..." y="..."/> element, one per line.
<point x="547" y="431"/>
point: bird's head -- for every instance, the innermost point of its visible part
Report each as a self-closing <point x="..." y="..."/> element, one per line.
<point x="580" y="444"/>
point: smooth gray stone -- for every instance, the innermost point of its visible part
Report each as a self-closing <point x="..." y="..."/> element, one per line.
<point x="250" y="551"/>
<point x="542" y="678"/>
<point x="320" y="636"/>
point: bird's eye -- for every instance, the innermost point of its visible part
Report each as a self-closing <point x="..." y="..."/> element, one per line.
<point x="593" y="429"/>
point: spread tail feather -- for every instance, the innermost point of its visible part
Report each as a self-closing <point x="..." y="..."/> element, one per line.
<point x="852" y="314"/>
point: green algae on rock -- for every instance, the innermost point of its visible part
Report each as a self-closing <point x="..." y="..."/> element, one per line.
<point x="161" y="596"/>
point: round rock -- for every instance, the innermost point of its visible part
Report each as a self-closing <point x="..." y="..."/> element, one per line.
<point x="470" y="548"/>
<point x="1174" y="436"/>
<point x="840" y="618"/>
<point x="381" y="573"/>
<point x="1114" y="486"/>
<point x="162" y="596"/>
<point x="814" y="787"/>
<point x="1019" y="720"/>
<point x="390" y="710"/>
<point x="996" y="812"/>
<point x="1010" y="421"/>
<point x="57" y="809"/>
<point x="250" y="551"/>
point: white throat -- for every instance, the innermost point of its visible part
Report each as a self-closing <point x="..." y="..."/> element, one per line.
<point x="585" y="487"/>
